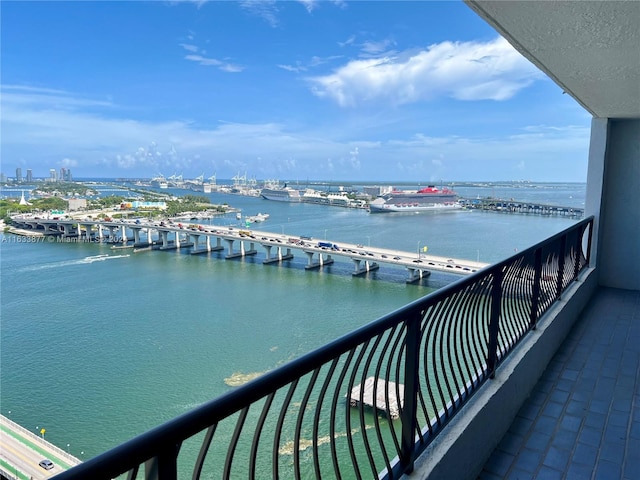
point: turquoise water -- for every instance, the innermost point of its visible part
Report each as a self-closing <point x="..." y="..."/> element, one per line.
<point x="99" y="345"/>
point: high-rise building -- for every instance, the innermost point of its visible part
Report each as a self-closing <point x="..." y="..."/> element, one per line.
<point x="29" y="175"/>
<point x="18" y="174"/>
<point x="53" y="175"/>
<point x="65" y="174"/>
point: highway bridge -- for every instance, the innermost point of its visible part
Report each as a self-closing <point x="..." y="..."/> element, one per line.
<point x="141" y="235"/>
<point x="21" y="452"/>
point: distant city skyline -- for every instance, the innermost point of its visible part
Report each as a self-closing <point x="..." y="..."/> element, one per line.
<point x="51" y="175"/>
<point x="335" y="91"/>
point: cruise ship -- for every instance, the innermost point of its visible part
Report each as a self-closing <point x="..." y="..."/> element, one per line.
<point x="160" y="182"/>
<point x="281" y="194"/>
<point x="424" y="200"/>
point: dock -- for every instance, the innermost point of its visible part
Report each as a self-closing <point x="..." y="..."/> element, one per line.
<point x="363" y="394"/>
<point x="513" y="206"/>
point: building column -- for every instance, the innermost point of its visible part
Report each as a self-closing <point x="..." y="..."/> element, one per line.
<point x="614" y="178"/>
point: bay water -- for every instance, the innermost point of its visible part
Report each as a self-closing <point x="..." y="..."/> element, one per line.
<point x="98" y="345"/>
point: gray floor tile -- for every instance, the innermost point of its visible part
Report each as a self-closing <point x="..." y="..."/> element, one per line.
<point x="582" y="419"/>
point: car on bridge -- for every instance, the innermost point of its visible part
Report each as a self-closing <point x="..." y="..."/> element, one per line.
<point x="46" y="464"/>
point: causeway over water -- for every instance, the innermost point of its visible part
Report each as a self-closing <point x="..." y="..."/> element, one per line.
<point x="21" y="452"/>
<point x="142" y="235"/>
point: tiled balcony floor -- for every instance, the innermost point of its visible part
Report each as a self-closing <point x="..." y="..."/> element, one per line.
<point x="582" y="420"/>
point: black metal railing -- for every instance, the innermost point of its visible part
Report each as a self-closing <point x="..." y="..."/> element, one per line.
<point x="367" y="404"/>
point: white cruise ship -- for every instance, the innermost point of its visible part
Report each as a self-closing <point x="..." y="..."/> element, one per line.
<point x="281" y="194"/>
<point x="424" y="200"/>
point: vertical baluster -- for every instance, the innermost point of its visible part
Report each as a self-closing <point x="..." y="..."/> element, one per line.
<point x="496" y="298"/>
<point x="164" y="466"/>
<point x="561" y="257"/>
<point x="411" y="386"/>
<point x="535" y="294"/>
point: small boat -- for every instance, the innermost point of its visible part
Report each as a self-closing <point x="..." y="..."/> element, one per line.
<point x="260" y="217"/>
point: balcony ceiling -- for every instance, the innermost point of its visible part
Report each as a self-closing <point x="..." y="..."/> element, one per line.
<point x="590" y="48"/>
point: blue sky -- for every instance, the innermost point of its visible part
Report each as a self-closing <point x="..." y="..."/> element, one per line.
<point x="324" y="90"/>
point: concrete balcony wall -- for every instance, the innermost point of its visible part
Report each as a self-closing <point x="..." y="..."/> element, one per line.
<point x="618" y="251"/>
<point x="462" y="449"/>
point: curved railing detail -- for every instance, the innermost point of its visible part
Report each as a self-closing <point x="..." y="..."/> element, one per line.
<point x="367" y="404"/>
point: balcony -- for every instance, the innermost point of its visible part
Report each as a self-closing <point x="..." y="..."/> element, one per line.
<point x="450" y="368"/>
<point x="492" y="395"/>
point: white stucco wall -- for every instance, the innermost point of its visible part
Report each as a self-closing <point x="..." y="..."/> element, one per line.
<point x="613" y="196"/>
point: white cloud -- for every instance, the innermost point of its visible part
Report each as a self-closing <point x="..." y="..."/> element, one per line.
<point x="190" y="48"/>
<point x="348" y="41"/>
<point x="197" y="3"/>
<point x="265" y="9"/>
<point x="268" y="10"/>
<point x="68" y="163"/>
<point x="231" y="68"/>
<point x="376" y="48"/>
<point x="310" y="5"/>
<point x="198" y="56"/>
<point x="462" y="70"/>
<point x="53" y="128"/>
<point x="203" y="60"/>
<point x="49" y="98"/>
<point x="314" y="62"/>
<point x="291" y="68"/>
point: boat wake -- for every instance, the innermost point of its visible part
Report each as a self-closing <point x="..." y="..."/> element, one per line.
<point x="67" y="263"/>
<point x="101" y="258"/>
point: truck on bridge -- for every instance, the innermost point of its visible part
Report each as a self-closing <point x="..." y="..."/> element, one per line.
<point x="330" y="245"/>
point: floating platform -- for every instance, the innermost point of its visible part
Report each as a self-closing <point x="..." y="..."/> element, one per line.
<point x="121" y="247"/>
<point x="394" y="392"/>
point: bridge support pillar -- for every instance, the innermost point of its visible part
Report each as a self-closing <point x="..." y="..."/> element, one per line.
<point x="164" y="237"/>
<point x="230" y="252"/>
<point x="87" y="230"/>
<point x="267" y="254"/>
<point x="326" y="260"/>
<point x="279" y="257"/>
<point x="112" y="234"/>
<point x="252" y="248"/>
<point x="136" y="235"/>
<point x="311" y="264"/>
<point x="361" y="267"/>
<point x="68" y="230"/>
<point x="194" y="239"/>
<point x="416" y="274"/>
<point x="218" y="245"/>
<point x="123" y="233"/>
